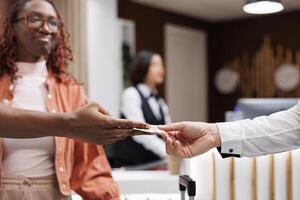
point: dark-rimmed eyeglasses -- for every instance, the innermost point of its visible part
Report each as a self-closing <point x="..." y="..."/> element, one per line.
<point x="36" y="21"/>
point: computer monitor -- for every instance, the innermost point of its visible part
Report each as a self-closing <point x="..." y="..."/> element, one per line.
<point x="254" y="107"/>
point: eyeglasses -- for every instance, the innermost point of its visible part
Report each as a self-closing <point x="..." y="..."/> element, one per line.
<point x="35" y="21"/>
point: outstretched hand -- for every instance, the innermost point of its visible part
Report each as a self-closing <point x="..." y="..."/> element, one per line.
<point x="93" y="124"/>
<point x="189" y="139"/>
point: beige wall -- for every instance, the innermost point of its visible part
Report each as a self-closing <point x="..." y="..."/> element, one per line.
<point x="73" y="13"/>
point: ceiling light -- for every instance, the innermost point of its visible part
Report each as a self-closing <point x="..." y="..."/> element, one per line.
<point x="262" y="6"/>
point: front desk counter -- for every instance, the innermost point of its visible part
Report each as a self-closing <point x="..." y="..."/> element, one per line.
<point x="147" y="185"/>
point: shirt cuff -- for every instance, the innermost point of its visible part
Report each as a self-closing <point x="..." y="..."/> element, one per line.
<point x="225" y="155"/>
<point x="231" y="138"/>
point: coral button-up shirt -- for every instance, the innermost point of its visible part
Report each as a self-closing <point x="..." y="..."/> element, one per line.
<point x="79" y="166"/>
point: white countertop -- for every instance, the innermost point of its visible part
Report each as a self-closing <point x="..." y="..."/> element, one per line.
<point x="134" y="182"/>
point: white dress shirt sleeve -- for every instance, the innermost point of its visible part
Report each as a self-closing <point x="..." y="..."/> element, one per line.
<point x="131" y="108"/>
<point x="131" y="105"/>
<point x="263" y="135"/>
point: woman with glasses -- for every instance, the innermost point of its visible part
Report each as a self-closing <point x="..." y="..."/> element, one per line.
<point x="34" y="55"/>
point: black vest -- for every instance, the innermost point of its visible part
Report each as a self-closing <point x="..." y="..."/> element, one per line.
<point x="148" y="113"/>
<point x="128" y="152"/>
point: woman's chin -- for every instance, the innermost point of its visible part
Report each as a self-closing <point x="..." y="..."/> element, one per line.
<point x="45" y="51"/>
<point x="160" y="82"/>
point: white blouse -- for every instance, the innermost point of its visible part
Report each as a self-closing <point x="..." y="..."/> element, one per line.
<point x="131" y="107"/>
<point x="29" y="157"/>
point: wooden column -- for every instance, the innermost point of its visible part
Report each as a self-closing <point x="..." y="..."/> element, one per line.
<point x="289" y="176"/>
<point x="254" y="180"/>
<point x="272" y="178"/>
<point x="232" y="180"/>
<point x="212" y="176"/>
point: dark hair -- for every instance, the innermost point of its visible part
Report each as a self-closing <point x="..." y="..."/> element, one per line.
<point x="58" y="59"/>
<point x="140" y="67"/>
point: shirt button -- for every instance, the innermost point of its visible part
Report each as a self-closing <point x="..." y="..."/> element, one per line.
<point x="49" y="96"/>
<point x="61" y="169"/>
<point x="59" y="149"/>
<point x="53" y="110"/>
<point x="11" y="87"/>
<point x="230" y="150"/>
<point x="5" y="101"/>
<point x="64" y="185"/>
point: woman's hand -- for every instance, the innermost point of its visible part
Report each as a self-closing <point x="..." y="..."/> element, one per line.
<point x="93" y="124"/>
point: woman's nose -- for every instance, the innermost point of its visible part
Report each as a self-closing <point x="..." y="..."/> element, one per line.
<point x="45" y="28"/>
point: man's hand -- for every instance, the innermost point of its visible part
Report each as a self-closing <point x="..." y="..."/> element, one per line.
<point x="93" y="124"/>
<point x="189" y="139"/>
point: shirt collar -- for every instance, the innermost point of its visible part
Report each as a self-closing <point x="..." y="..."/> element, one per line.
<point x="36" y="69"/>
<point x="146" y="90"/>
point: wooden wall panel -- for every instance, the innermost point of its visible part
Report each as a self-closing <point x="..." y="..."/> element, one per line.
<point x="228" y="40"/>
